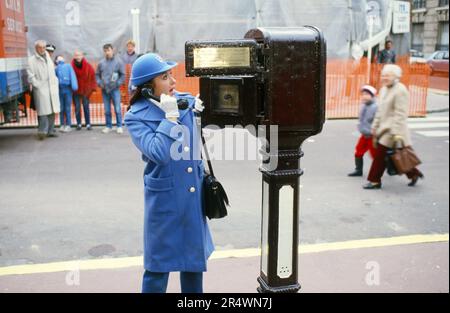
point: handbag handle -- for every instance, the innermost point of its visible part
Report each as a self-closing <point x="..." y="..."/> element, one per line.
<point x="197" y="116"/>
<point x="206" y="153"/>
<point x="400" y="144"/>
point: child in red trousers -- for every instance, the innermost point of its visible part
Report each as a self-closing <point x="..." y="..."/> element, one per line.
<point x="366" y="117"/>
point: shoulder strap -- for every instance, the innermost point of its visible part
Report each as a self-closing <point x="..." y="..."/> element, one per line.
<point x="205" y="148"/>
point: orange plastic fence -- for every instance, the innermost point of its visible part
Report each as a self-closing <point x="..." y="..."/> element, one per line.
<point x="345" y="78"/>
<point x="343" y="82"/>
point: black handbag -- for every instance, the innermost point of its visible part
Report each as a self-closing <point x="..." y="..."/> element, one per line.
<point x="215" y="199"/>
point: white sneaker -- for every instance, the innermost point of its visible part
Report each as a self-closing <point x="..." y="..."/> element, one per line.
<point x="120" y="130"/>
<point x="106" y="130"/>
<point x="68" y="129"/>
<point x="62" y="129"/>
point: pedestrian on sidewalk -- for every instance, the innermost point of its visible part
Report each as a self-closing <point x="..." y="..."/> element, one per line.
<point x="51" y="50"/>
<point x="366" y="117"/>
<point x="176" y="233"/>
<point x="130" y="56"/>
<point x="390" y="125"/>
<point x="388" y="55"/>
<point x="42" y="77"/>
<point x="86" y="86"/>
<point x="110" y="75"/>
<point x="67" y="85"/>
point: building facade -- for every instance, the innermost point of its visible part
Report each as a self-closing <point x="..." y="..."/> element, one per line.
<point x="429" y="25"/>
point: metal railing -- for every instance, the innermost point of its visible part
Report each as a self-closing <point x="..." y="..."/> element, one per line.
<point x="440" y="47"/>
<point x="417" y="47"/>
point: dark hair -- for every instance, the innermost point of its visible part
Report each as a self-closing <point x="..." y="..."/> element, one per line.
<point x="137" y="94"/>
<point x="107" y="46"/>
<point x="388" y="41"/>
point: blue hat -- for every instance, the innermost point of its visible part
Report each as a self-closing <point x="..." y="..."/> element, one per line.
<point x="148" y="67"/>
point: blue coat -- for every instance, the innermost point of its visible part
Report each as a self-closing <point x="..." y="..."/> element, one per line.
<point x="66" y="76"/>
<point x="176" y="233"/>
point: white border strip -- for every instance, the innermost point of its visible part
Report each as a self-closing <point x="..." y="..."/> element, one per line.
<point x="13" y="64"/>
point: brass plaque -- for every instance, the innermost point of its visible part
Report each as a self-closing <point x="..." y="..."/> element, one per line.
<point x="221" y="57"/>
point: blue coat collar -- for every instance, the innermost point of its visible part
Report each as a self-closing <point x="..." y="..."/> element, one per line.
<point x="148" y="111"/>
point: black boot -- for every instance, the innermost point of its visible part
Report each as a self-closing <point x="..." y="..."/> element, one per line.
<point x="359" y="168"/>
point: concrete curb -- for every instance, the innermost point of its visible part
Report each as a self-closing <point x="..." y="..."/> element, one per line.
<point x="439" y="91"/>
<point x="438" y="111"/>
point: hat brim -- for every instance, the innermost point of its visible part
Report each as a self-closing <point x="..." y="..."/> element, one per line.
<point x="169" y="65"/>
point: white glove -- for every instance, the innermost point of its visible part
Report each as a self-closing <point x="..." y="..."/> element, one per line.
<point x="169" y="105"/>
<point x="198" y="107"/>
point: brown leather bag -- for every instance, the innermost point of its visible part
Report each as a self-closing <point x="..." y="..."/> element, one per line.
<point x="404" y="159"/>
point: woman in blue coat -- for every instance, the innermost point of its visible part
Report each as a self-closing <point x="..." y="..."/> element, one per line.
<point x="176" y="234"/>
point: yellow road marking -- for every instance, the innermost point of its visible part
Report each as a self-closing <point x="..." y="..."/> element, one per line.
<point x="117" y="263"/>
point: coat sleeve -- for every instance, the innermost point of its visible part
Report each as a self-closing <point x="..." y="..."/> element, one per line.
<point x="154" y="144"/>
<point x="73" y="79"/>
<point x="98" y="74"/>
<point x="92" y="83"/>
<point x="372" y="113"/>
<point x="121" y="79"/>
<point x="376" y="121"/>
<point x="400" y="111"/>
<point x="31" y="75"/>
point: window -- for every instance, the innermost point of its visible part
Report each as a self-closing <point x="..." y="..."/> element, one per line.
<point x="417" y="36"/>
<point x="443" y="3"/>
<point x="442" y="43"/>
<point x="419" y="4"/>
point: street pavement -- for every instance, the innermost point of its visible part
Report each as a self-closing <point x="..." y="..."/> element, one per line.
<point x="79" y="197"/>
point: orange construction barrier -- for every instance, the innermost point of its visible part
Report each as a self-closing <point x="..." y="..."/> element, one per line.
<point x="343" y="82"/>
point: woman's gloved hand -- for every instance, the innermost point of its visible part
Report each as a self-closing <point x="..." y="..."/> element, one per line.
<point x="169" y="105"/>
<point x="398" y="140"/>
<point x="198" y="106"/>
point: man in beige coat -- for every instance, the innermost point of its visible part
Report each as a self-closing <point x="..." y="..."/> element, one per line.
<point x="42" y="77"/>
<point x="390" y="124"/>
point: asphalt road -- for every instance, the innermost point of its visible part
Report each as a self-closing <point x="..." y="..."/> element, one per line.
<point x="80" y="196"/>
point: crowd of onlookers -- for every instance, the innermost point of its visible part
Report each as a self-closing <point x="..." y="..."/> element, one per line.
<point x="56" y="84"/>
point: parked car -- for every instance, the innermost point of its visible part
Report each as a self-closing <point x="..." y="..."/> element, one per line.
<point x="438" y="62"/>
<point x="416" y="56"/>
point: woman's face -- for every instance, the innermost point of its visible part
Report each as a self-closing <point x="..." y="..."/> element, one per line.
<point x="164" y="84"/>
<point x="388" y="79"/>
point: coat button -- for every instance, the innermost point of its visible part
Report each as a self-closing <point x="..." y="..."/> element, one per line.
<point x="190" y="170"/>
<point x="192" y="189"/>
<point x="187" y="149"/>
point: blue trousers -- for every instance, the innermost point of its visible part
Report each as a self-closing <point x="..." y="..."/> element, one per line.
<point x="157" y="282"/>
<point x="65" y="99"/>
<point x="113" y="96"/>
<point x="79" y="99"/>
